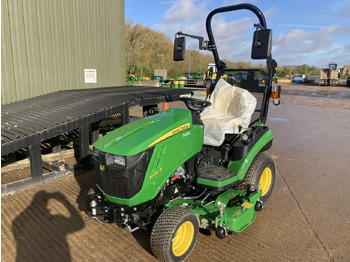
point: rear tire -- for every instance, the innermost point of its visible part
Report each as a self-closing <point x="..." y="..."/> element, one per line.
<point x="261" y="175"/>
<point x="174" y="234"/>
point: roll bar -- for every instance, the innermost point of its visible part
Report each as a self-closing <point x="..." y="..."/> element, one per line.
<point x="261" y="49"/>
<point x="212" y="45"/>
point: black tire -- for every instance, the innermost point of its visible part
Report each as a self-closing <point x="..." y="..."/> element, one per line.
<point x="168" y="241"/>
<point x="261" y="172"/>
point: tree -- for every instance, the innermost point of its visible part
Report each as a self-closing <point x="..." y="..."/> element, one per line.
<point x="148" y="50"/>
<point x="303" y="69"/>
<point x="135" y="38"/>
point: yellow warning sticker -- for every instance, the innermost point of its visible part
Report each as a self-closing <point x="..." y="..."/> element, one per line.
<point x="247" y="205"/>
<point x="238" y="213"/>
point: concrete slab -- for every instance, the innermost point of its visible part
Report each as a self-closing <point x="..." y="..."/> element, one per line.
<point x="312" y="152"/>
<point x="47" y="223"/>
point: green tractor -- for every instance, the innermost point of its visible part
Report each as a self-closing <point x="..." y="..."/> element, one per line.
<point x="131" y="75"/>
<point x="181" y="170"/>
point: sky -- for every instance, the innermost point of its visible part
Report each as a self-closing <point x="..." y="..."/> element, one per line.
<point x="304" y="31"/>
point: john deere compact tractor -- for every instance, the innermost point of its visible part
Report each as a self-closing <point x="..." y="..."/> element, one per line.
<point x="206" y="167"/>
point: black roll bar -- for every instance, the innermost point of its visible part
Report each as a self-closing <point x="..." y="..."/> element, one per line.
<point x="212" y="46"/>
<point x="220" y="65"/>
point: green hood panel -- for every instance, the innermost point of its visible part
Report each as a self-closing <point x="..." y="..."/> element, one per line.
<point x="137" y="136"/>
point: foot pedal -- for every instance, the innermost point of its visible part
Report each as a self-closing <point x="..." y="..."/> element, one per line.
<point x="216" y="177"/>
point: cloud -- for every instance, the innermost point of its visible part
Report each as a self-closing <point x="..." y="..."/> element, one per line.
<point x="189" y="16"/>
<point x="184" y="10"/>
<point x="337" y="29"/>
<point x="271" y="12"/>
<point x="304" y="26"/>
<point x="314" y="47"/>
<point x="346" y="47"/>
<point x="302" y="41"/>
<point x="311" y="42"/>
<point x="183" y="15"/>
<point x="232" y="37"/>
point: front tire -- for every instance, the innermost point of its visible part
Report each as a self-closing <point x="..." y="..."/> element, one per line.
<point x="174" y="234"/>
<point x="261" y="175"/>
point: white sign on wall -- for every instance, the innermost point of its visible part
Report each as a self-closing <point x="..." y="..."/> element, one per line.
<point x="90" y="76"/>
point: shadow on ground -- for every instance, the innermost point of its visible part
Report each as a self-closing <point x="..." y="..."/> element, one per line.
<point x="44" y="225"/>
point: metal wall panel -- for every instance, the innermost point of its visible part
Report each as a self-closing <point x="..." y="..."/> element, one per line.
<point x="45" y="41"/>
<point x="19" y="50"/>
<point x="30" y="21"/>
<point x="47" y="44"/>
<point x="6" y="56"/>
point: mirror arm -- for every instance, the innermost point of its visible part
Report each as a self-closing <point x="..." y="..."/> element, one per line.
<point x="271" y="65"/>
<point x="203" y="45"/>
<point x="259" y="26"/>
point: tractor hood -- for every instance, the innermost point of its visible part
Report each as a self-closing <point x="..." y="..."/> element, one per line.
<point x="142" y="134"/>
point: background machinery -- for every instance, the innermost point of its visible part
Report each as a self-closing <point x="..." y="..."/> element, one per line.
<point x="329" y="76"/>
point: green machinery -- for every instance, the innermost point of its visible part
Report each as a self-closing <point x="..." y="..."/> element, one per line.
<point x="161" y="81"/>
<point x="195" y="79"/>
<point x="131" y="75"/>
<point x="159" y="174"/>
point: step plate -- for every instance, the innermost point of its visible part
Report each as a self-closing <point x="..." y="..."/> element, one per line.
<point x="215" y="177"/>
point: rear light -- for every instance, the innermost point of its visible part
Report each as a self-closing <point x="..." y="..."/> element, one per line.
<point x="208" y="87"/>
<point x="276" y="94"/>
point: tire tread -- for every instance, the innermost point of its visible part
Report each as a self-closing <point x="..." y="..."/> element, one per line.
<point x="251" y="180"/>
<point x="164" y="229"/>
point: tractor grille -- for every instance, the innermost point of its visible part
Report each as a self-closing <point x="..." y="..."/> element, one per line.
<point x="122" y="182"/>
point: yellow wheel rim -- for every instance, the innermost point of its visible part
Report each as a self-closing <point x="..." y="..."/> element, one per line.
<point x="183" y="238"/>
<point x="265" y="181"/>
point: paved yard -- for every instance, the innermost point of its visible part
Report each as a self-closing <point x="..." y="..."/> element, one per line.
<point x="306" y="219"/>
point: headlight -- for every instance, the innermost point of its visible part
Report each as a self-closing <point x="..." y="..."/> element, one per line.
<point x="115" y="159"/>
<point x="96" y="152"/>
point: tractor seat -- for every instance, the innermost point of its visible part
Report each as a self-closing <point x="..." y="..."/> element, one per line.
<point x="231" y="106"/>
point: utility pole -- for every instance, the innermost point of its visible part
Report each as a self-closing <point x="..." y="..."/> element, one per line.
<point x="189" y="60"/>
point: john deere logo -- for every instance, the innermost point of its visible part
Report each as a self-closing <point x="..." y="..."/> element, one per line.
<point x="102" y="168"/>
<point x="171" y="133"/>
<point x="156" y="173"/>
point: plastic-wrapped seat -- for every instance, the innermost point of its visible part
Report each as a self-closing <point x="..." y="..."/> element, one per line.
<point x="230" y="107"/>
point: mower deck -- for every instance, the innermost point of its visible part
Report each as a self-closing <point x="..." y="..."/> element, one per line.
<point x="232" y="209"/>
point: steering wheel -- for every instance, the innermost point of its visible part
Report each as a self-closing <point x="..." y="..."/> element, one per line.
<point x="195" y="104"/>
